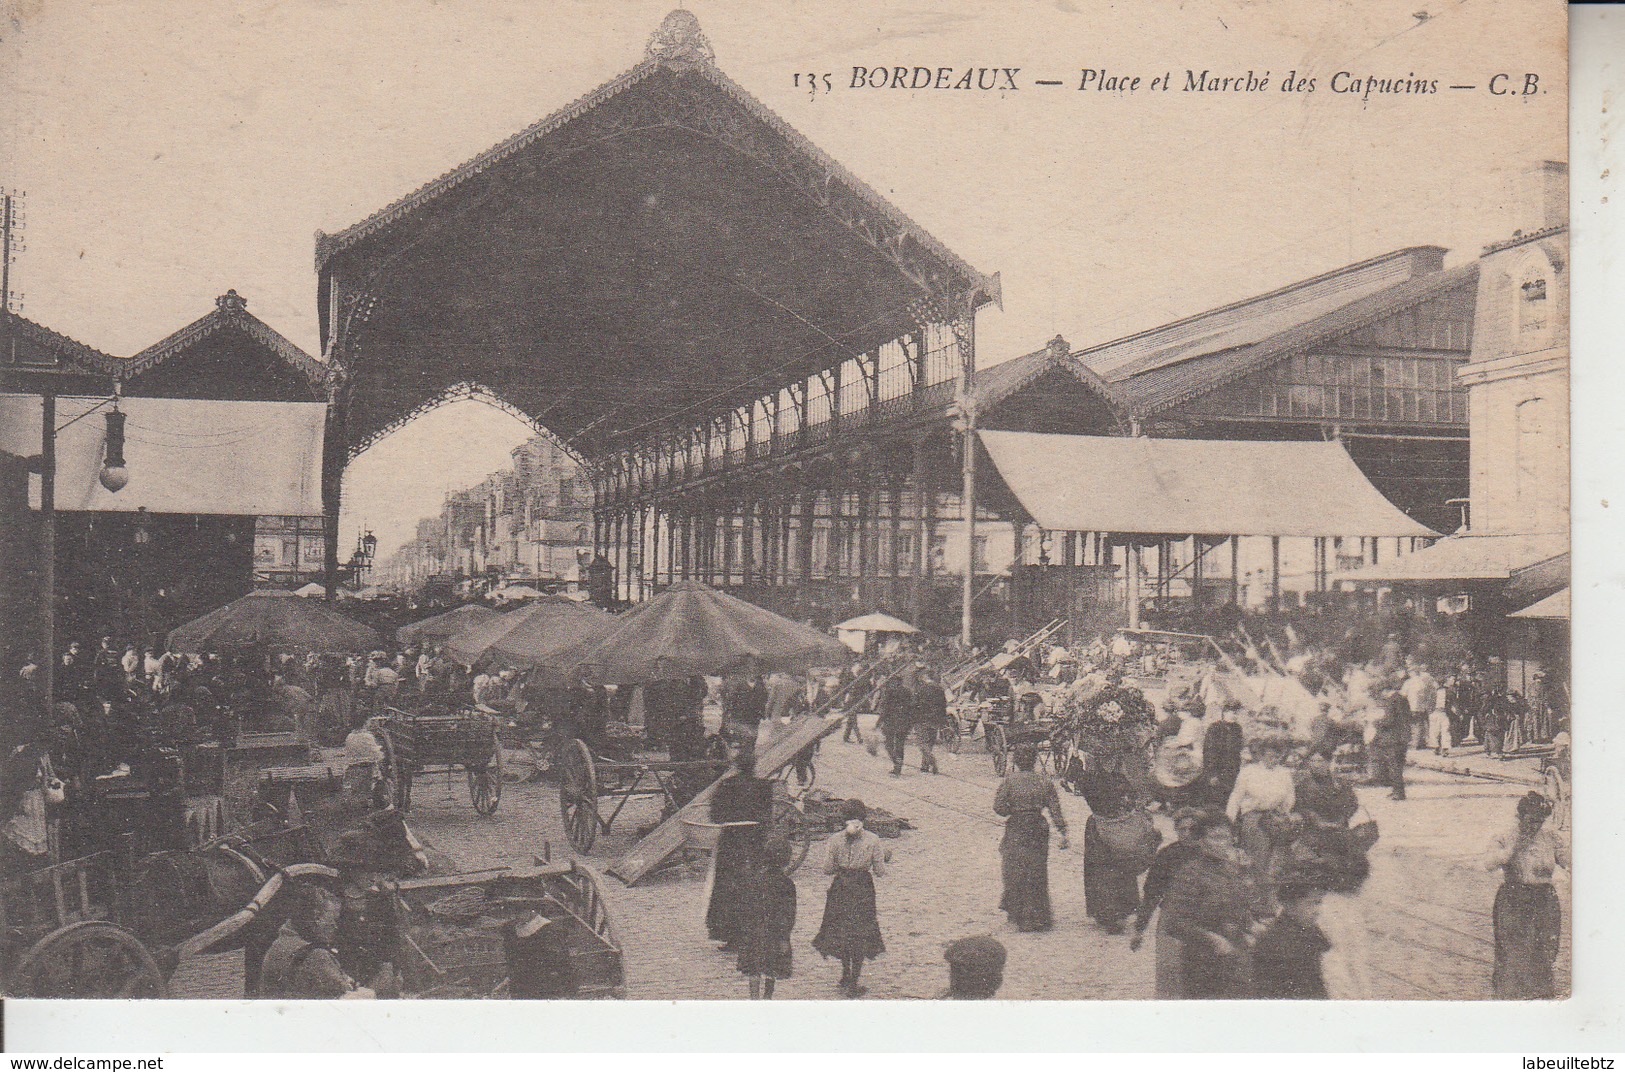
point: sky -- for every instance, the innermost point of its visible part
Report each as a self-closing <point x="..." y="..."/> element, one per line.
<point x="173" y="150"/>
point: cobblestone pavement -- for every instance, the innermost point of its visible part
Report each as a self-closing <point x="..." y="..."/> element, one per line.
<point x="1426" y="908"/>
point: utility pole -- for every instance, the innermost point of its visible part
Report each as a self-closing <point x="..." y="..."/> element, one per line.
<point x="9" y="248"/>
<point x="47" y="510"/>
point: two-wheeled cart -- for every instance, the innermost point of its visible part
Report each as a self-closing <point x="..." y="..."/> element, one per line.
<point x="595" y="787"/>
<point x="438" y="741"/>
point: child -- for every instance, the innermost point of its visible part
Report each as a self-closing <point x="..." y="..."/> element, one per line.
<point x="1286" y="961"/>
<point x="851" y="927"/>
<point x="764" y="953"/>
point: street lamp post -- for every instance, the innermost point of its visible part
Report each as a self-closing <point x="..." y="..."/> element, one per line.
<point x="361" y="559"/>
<point x="47" y="508"/>
<point x="113" y="476"/>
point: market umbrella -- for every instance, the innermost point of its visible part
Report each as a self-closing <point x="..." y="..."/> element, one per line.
<point x="311" y="590"/>
<point x="693" y="629"/>
<point x="516" y="592"/>
<point x="876" y="623"/>
<point x="541" y="626"/>
<point x="447" y="624"/>
<point x="550" y="644"/>
<point x="277" y="620"/>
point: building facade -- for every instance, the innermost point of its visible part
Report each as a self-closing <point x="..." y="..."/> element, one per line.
<point x="209" y="535"/>
<point x="530" y="524"/>
<point x="1517" y="381"/>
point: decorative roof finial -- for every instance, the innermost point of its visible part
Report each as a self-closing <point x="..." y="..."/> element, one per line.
<point x="1059" y="348"/>
<point x="231" y="302"/>
<point x="679" y="42"/>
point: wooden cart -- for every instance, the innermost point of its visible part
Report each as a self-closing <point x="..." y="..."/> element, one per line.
<point x="1004" y="737"/>
<point x="64" y="935"/>
<point x="589" y="781"/>
<point x="437" y="741"/>
<point x="112" y="923"/>
<point x="453" y="929"/>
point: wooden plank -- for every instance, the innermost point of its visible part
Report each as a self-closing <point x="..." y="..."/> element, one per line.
<point x="474" y="878"/>
<point x="669" y="836"/>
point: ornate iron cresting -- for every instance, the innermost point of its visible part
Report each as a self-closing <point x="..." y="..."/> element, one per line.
<point x="679" y="41"/>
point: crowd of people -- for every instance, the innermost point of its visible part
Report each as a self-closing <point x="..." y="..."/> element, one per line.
<point x="1257" y="788"/>
<point x="1254" y="895"/>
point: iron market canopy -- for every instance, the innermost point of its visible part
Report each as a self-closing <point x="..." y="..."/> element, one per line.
<point x="184" y="455"/>
<point x="665" y="247"/>
<point x="1181" y="487"/>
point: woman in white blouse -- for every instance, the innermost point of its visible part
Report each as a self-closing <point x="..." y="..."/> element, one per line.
<point x="1528" y="918"/>
<point x="1261" y="803"/>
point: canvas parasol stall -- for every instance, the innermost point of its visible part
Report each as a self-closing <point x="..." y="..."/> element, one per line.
<point x="549" y="644"/>
<point x="549" y="622"/>
<point x="516" y="593"/>
<point x="855" y="632"/>
<point x="311" y="591"/>
<point x="277" y="620"/>
<point x="692" y="629"/>
<point x="439" y="627"/>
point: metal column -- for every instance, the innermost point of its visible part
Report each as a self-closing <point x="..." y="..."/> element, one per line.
<point x="1275" y="574"/>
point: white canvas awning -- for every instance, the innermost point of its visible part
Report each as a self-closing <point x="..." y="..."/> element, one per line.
<point x="1180" y="487"/>
<point x="1554" y="607"/>
<point x="1469" y="557"/>
<point x="184" y="456"/>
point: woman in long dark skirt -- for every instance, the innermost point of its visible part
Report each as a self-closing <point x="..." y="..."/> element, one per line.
<point x="851" y="928"/>
<point x="764" y="951"/>
<point x="1169" y="955"/>
<point x="1528" y="919"/>
<point x="1119" y="841"/>
<point x="1025" y="796"/>
<point x="741" y="798"/>
<point x="1209" y="908"/>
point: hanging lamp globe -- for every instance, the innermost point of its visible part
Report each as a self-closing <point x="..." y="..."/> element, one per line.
<point x="114" y="475"/>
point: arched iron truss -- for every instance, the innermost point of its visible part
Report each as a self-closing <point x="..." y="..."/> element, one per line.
<point x="466" y="391"/>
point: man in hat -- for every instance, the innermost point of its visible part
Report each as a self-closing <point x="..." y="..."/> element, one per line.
<point x="975" y="968"/>
<point x="303" y="962"/>
<point x="1390" y="743"/>
<point x="368" y="931"/>
<point x="896" y="710"/>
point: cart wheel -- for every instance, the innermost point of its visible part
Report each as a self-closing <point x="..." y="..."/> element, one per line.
<point x="1061" y="756"/>
<point x="91" y="959"/>
<point x="953" y="734"/>
<point x="397" y="788"/>
<point x="999" y="745"/>
<point x="791" y="825"/>
<point x="485" y="785"/>
<point x="578" y="795"/>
